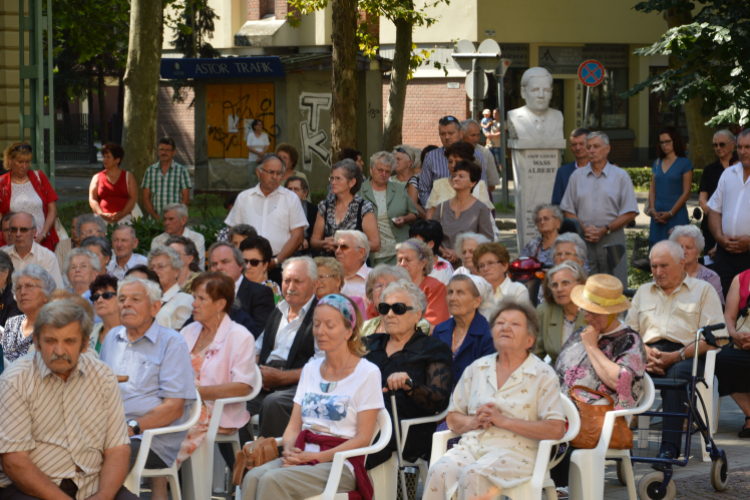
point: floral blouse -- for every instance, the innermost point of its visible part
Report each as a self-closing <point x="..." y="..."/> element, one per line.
<point x="624" y="347"/>
<point x="15" y="344"/>
<point x="357" y="210"/>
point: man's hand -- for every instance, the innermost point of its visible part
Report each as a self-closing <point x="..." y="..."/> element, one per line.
<point x="593" y="234"/>
<point x="652" y="359"/>
<point x="130" y="432"/>
<point x="737" y="244"/>
<point x="272" y="377"/>
<point x="712" y="252"/>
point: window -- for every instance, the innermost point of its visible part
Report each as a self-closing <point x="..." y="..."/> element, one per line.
<point x="607" y="110"/>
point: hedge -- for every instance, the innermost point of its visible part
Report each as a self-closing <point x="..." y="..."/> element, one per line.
<point x="641" y="178"/>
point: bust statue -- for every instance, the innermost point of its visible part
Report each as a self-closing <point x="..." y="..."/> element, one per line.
<point x="536" y="125"/>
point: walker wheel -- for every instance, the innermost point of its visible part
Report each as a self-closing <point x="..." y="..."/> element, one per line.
<point x="621" y="473"/>
<point x="719" y="474"/>
<point x="648" y="488"/>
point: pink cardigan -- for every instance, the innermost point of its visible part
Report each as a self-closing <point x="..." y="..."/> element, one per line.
<point x="230" y="358"/>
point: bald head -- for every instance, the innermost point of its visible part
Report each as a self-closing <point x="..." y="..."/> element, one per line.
<point x="23" y="228"/>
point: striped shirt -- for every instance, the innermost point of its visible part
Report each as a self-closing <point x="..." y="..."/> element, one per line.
<point x="435" y="167"/>
<point x="66" y="426"/>
<point x="166" y="189"/>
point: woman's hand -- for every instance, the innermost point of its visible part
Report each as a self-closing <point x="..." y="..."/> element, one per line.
<point x="398" y="221"/>
<point x="590" y="337"/>
<point x="397" y="381"/>
<point x="40" y="237"/>
<point x="328" y="244"/>
<point x="111" y="218"/>
<point x="489" y="415"/>
<point x="449" y="255"/>
<point x="662" y="217"/>
<point x="295" y="456"/>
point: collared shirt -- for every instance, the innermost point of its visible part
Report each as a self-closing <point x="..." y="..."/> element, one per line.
<point x="158" y="366"/>
<point x="656" y="316"/>
<point x="166" y="189"/>
<point x="118" y="272"/>
<point x="65" y="426"/>
<point x="435" y="167"/>
<point x="197" y="238"/>
<point x="176" y="308"/>
<point x="561" y="180"/>
<point x="599" y="200"/>
<point x="238" y="284"/>
<point x="354" y="285"/>
<point x="511" y="289"/>
<point x="273" y="216"/>
<point x="287" y="332"/>
<point x="37" y="255"/>
<point x="732" y="200"/>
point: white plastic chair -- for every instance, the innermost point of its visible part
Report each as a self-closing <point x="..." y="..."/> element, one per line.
<point x="586" y="477"/>
<point x="383" y="426"/>
<point x="133" y="481"/>
<point x="540" y="478"/>
<point x="195" y="476"/>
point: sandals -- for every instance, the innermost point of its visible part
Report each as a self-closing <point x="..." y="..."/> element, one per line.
<point x="744" y="432"/>
<point x="562" y="493"/>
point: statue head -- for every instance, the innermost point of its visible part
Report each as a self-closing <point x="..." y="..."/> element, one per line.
<point x="536" y="89"/>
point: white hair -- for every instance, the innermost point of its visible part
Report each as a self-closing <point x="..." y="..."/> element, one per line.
<point x="359" y="237"/>
<point x="174" y="258"/>
<point x="384" y="157"/>
<point x="123" y="227"/>
<point x="576" y="240"/>
<point x="556" y="212"/>
<point x="178" y="208"/>
<point x="88" y="219"/>
<point x="93" y="259"/>
<point x="312" y="267"/>
<point x="673" y="247"/>
<point x="37" y="272"/>
<point x="465" y="124"/>
<point x="416" y="296"/>
<point x="601" y="135"/>
<point x="689" y="231"/>
<point x="461" y="239"/>
<point x="153" y="290"/>
<point x="726" y="133"/>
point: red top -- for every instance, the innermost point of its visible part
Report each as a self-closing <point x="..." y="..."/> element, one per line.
<point x="44" y="189"/>
<point x="744" y="287"/>
<point x="112" y="197"/>
<point x="437" y="301"/>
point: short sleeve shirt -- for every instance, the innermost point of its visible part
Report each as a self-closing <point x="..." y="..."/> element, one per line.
<point x="327" y="210"/>
<point x="166" y="189"/>
<point x="732" y="200"/>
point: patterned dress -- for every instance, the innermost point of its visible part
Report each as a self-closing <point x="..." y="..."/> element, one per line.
<point x="15" y="344"/>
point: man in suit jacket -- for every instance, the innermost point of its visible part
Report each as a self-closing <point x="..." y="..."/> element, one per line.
<point x="578" y="148"/>
<point x="285" y="346"/>
<point x="253" y="298"/>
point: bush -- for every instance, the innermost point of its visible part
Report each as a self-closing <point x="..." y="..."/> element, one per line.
<point x="67" y="211"/>
<point x="641" y="178"/>
<point x="209" y="230"/>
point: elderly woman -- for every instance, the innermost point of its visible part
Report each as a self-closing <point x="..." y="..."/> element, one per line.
<point x="176" y="306"/>
<point x="466" y="243"/>
<point x="344" y="209"/>
<point x="548" y="219"/>
<point x="101" y="248"/>
<point x="415" y="256"/>
<point x="335" y="409"/>
<point x="331" y="281"/>
<point x="90" y="225"/>
<point x="570" y="246"/>
<point x="290" y="156"/>
<point x="559" y="316"/>
<point x="492" y="261"/>
<point x="406" y="353"/>
<point x="8" y="305"/>
<point x="81" y="267"/>
<point x="257" y="252"/>
<point x="692" y="242"/>
<point x="407" y="161"/>
<point x="113" y="192"/>
<point x="394" y="210"/>
<point x="103" y="296"/>
<point x="33" y="287"/>
<point x="185" y="247"/>
<point x="379" y="278"/>
<point x="503" y="405"/>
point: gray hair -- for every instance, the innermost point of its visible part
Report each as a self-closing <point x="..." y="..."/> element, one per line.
<point x="153" y="289"/>
<point x="81" y="251"/>
<point x="726" y="133"/>
<point x="415" y="153"/>
<point x="125" y="227"/>
<point x="238" y="257"/>
<point x="61" y="313"/>
<point x="174" y="258"/>
<point x="578" y="271"/>
<point x="382" y="271"/>
<point x="461" y="239"/>
<point x="556" y="212"/>
<point x="385" y="158"/>
<point x="416" y="296"/>
<point x="420" y="248"/>
<point x="312" y="267"/>
<point x="465" y="125"/>
<point x="351" y="171"/>
<point x="37" y="272"/>
<point x="272" y="156"/>
<point x="331" y="263"/>
<point x="673" y="247"/>
<point x="98" y="241"/>
<point x="178" y="208"/>
<point x="744" y="133"/>
<point x="533" y="73"/>
<point x="359" y="237"/>
<point x="88" y="219"/>
<point x="243" y="230"/>
<point x="522" y="306"/>
<point x="689" y="231"/>
<point x="33" y="221"/>
<point x="601" y="135"/>
<point x="576" y="240"/>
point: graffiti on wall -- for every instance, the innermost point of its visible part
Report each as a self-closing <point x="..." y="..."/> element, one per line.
<point x="312" y="136"/>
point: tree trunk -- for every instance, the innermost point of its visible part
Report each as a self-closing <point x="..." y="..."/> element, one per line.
<point x="344" y="79"/>
<point x="120" y="95"/>
<point x="700" y="136"/>
<point x="90" y="118"/>
<point x="394" y="116"/>
<point x="142" y="85"/>
<point x="101" y="94"/>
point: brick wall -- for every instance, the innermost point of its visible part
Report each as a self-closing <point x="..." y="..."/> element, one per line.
<point x="177" y="120"/>
<point x="428" y="100"/>
<point x="253" y="9"/>
<point x="281" y="8"/>
<point x="621" y="150"/>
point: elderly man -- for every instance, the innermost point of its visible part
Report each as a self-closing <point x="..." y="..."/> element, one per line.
<point x="83" y="455"/>
<point x="90" y="225"/>
<point x="124" y="244"/>
<point x="724" y="148"/>
<point x="578" y="148"/>
<point x="274" y="211"/>
<point x="472" y="133"/>
<point x="161" y="383"/>
<point x="102" y="248"/>
<point x="25" y="250"/>
<point x="176" y="306"/>
<point x="435" y="165"/>
<point x="286" y="345"/>
<point x="352" y="250"/>
<point x="175" y="224"/>
<point x="166" y="182"/>
<point x="667" y="312"/>
<point x="602" y="198"/>
<point x="255" y="299"/>
<point x="728" y="218"/>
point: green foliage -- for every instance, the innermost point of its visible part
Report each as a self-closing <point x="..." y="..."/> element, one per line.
<point x="207" y="204"/>
<point x="194" y="24"/>
<point x="500" y="208"/>
<point x="712" y="55"/>
<point x="317" y="196"/>
<point x="146" y="229"/>
<point x="641" y="178"/>
<point x="67" y="211"/>
<point x="638" y="241"/>
<point x="209" y="229"/>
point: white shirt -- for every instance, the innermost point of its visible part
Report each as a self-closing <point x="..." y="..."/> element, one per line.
<point x="37" y="255"/>
<point x="511" y="289"/>
<point x="176" y="308"/>
<point x="442" y="271"/>
<point x="287" y="332"/>
<point x="257" y="143"/>
<point x="118" y="272"/>
<point x="197" y="238"/>
<point x="354" y="285"/>
<point x="273" y="216"/>
<point x="237" y="285"/>
<point x="732" y="200"/>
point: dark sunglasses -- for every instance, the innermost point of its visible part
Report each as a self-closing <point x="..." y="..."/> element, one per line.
<point x="448" y="119"/>
<point x="22" y="147"/>
<point x="399" y="308"/>
<point x="254" y="262"/>
<point x="23" y="230"/>
<point x="104" y="295"/>
<point x="719" y="144"/>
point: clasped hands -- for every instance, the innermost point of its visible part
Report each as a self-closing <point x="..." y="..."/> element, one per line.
<point x="657" y="361"/>
<point x="736" y="244"/>
<point x="593" y="234"/>
<point x="295" y="456"/>
<point x="488" y="415"/>
<point x="272" y="377"/>
<point x="661" y="217"/>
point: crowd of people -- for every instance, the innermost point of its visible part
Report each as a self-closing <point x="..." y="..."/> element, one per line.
<point x="395" y="282"/>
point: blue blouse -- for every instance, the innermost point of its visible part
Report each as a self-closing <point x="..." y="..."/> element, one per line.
<point x="477" y="343"/>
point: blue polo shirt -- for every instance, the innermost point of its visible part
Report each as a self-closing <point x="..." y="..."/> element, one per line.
<point x="477" y="343"/>
<point x="159" y="367"/>
<point x="561" y="182"/>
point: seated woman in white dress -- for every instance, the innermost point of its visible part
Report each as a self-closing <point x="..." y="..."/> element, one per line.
<point x="503" y="405"/>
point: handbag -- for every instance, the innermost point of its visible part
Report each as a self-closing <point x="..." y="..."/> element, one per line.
<point x="592" y="421"/>
<point x="259" y="452"/>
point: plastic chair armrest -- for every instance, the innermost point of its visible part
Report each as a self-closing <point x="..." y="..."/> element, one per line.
<point x="440" y="444"/>
<point x="406" y="424"/>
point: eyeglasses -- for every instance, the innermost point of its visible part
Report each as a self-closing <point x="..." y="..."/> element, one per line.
<point x="254" y="262"/>
<point x="159" y="267"/>
<point x="103" y="295"/>
<point x="324" y="276"/>
<point x="22" y="230"/>
<point x="665" y="142"/>
<point x="544" y="219"/>
<point x="488" y="264"/>
<point x="719" y="144"/>
<point x="22" y="147"/>
<point x="560" y="284"/>
<point x="29" y="287"/>
<point x="447" y="120"/>
<point x="565" y="254"/>
<point x="82" y="267"/>
<point x="399" y="308"/>
<point x="275" y="173"/>
<point x="337" y="179"/>
<point x="343" y="247"/>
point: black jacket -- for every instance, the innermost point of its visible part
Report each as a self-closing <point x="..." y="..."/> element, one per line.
<point x="257" y="301"/>
<point x="8" y="306"/>
<point x="303" y="347"/>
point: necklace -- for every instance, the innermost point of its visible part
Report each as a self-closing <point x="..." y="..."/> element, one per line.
<point x="331" y="386"/>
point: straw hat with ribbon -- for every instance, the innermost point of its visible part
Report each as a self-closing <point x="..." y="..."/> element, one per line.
<point x="602" y="294"/>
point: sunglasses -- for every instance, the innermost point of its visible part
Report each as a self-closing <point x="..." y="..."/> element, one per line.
<point x="448" y="119"/>
<point x="104" y="295"/>
<point x="399" y="308"/>
<point x="719" y="144"/>
<point x="22" y="230"/>
<point x="343" y="246"/>
<point x="254" y="262"/>
<point x="22" y="147"/>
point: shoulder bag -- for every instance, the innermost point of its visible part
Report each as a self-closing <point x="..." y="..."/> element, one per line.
<point x="592" y="421"/>
<point x="254" y="454"/>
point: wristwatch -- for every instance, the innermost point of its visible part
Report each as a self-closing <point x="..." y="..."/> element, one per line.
<point x="682" y="355"/>
<point x="609" y="231"/>
<point x="276" y="261"/>
<point x="133" y="424"/>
